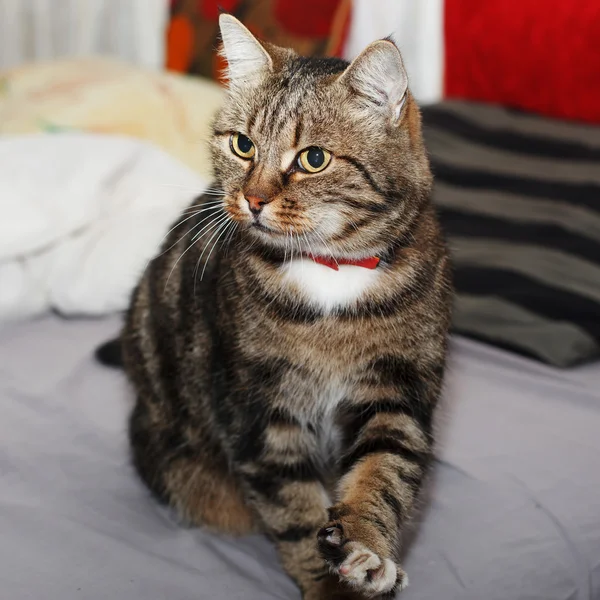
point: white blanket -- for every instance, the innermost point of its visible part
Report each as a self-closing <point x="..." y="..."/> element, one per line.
<point x="80" y="216"/>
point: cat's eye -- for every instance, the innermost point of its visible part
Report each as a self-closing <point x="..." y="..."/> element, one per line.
<point x="242" y="146"/>
<point x="313" y="159"/>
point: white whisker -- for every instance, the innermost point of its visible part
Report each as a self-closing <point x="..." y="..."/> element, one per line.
<point x="327" y="248"/>
<point x="189" y="230"/>
<point x="300" y="256"/>
<point x="284" y="248"/>
<point x="229" y="238"/>
<point x="202" y="204"/>
<point x="291" y="234"/>
<point x="218" y="219"/>
<point x="213" y="247"/>
<point x="199" y="190"/>
<point x="219" y="230"/>
<point x="310" y="250"/>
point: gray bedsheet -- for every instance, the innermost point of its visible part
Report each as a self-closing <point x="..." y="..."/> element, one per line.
<point x="514" y="508"/>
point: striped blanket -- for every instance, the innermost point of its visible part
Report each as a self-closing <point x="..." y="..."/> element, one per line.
<point x="519" y="198"/>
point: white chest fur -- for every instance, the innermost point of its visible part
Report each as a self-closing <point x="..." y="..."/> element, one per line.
<point x="326" y="288"/>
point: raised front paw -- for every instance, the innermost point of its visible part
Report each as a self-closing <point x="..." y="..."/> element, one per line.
<point x="351" y="552"/>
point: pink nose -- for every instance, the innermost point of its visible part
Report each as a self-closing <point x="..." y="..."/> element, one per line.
<point x="255" y="203"/>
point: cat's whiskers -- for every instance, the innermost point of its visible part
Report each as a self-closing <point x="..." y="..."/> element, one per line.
<point x="195" y="191"/>
<point x="229" y="228"/>
<point x="218" y="233"/>
<point x="216" y="220"/>
<point x="202" y="204"/>
<point x="300" y="257"/>
<point x="288" y="239"/>
<point x="309" y="248"/>
<point x="288" y="236"/>
<point x="291" y="240"/>
<point x="214" y="192"/>
<point x="327" y="248"/>
<point x="284" y="247"/>
<point x="214" y="209"/>
<point x="179" y="240"/>
<point x="286" y="232"/>
<point x="229" y="238"/>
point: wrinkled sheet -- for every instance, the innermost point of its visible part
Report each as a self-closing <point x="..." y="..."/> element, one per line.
<point x="80" y="217"/>
<point x="513" y="509"/>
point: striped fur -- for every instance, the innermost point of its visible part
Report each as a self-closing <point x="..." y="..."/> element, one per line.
<point x="259" y="409"/>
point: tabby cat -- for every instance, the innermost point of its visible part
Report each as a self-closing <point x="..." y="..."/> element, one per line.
<point x="286" y="376"/>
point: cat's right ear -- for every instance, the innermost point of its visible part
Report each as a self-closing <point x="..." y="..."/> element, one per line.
<point x="247" y="60"/>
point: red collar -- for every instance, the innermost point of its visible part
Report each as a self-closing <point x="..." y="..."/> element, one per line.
<point x="368" y="263"/>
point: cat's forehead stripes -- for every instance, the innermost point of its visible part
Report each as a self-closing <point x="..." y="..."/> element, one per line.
<point x="291" y="97"/>
<point x="278" y="115"/>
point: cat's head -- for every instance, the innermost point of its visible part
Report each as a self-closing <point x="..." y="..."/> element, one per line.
<point x="316" y="150"/>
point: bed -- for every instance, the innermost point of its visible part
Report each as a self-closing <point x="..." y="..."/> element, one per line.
<point x="512" y="510"/>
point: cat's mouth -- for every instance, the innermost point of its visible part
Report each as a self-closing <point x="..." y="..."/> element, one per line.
<point x="262" y="227"/>
<point x="265" y="228"/>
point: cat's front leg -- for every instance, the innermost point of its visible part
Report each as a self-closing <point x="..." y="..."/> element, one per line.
<point x="389" y="447"/>
<point x="274" y="460"/>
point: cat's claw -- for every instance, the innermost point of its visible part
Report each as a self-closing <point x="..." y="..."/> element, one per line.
<point x="357" y="566"/>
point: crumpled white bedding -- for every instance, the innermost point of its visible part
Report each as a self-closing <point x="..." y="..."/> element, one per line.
<point x="80" y="216"/>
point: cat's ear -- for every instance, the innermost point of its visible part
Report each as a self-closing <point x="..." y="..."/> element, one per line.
<point x="247" y="60"/>
<point x="378" y="74"/>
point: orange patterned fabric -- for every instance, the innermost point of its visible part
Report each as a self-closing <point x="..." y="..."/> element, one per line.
<point x="311" y="27"/>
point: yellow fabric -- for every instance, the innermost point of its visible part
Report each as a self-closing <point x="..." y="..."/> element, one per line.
<point x="103" y="96"/>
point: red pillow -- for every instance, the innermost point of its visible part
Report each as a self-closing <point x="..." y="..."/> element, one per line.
<point x="537" y="55"/>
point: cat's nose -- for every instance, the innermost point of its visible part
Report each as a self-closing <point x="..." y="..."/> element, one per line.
<point x="256" y="203"/>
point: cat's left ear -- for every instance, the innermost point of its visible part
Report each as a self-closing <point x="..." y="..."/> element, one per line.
<point x="378" y="74"/>
<point x="247" y="60"/>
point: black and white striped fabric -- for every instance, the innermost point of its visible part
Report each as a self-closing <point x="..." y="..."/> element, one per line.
<point x="519" y="199"/>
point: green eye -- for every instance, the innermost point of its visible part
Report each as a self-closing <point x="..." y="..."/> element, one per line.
<point x="313" y="159"/>
<point x="242" y="146"/>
